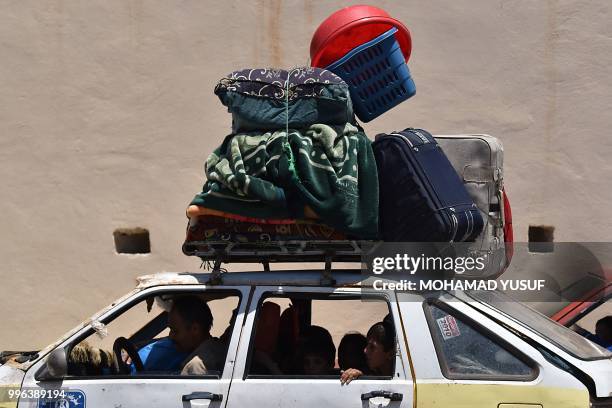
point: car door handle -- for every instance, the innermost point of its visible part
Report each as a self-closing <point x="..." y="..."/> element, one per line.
<point x="393" y="396"/>
<point x="203" y="395"/>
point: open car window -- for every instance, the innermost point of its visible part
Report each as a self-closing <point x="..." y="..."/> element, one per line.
<point x="144" y="327"/>
<point x="315" y="336"/>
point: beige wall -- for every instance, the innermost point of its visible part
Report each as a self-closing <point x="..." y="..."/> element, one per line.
<point x="107" y="114"/>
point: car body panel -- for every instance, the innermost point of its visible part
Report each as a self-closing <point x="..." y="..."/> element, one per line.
<point x="10" y="379"/>
<point x="466" y="395"/>
<point x="434" y="389"/>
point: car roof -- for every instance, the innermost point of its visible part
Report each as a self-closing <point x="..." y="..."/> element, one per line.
<point x="310" y="277"/>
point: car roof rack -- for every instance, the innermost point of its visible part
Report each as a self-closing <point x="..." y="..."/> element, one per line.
<point x="266" y="252"/>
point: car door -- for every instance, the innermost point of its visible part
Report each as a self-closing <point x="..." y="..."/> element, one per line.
<point x="152" y="389"/>
<point x="462" y="358"/>
<point x="329" y="308"/>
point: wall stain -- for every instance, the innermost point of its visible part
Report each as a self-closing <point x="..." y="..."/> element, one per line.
<point x="551" y="73"/>
<point x="308" y="12"/>
<point x="550" y="45"/>
<point x="135" y="11"/>
<point x="259" y="19"/>
<point x="59" y="25"/>
<point x="274" y="34"/>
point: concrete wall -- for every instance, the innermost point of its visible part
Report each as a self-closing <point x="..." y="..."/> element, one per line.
<point x="107" y="114"/>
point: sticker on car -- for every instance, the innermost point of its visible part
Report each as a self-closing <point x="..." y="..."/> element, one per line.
<point x="70" y="399"/>
<point x="448" y="327"/>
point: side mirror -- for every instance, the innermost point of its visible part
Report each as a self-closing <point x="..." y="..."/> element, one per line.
<point x="55" y="368"/>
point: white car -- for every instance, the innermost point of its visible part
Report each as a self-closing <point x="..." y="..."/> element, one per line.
<point x="451" y="350"/>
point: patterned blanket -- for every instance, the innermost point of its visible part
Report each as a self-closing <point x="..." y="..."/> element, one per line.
<point x="330" y="169"/>
<point x="211" y="228"/>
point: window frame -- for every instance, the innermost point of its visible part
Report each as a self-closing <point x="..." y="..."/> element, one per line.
<point x="483" y="331"/>
<point x="286" y="294"/>
<point x="115" y="313"/>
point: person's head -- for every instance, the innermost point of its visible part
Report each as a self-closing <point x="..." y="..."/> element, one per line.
<point x="318" y="351"/>
<point x="603" y="329"/>
<point x="351" y="351"/>
<point x="380" y="348"/>
<point x="190" y="321"/>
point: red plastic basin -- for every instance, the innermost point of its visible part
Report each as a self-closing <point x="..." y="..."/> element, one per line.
<point x="350" y="27"/>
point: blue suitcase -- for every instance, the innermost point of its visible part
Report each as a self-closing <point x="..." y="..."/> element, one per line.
<point x="422" y="199"/>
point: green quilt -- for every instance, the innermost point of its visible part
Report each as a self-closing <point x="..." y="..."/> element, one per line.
<point x="274" y="175"/>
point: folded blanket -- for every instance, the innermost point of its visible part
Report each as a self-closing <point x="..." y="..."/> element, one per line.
<point x="275" y="175"/>
<point x="273" y="99"/>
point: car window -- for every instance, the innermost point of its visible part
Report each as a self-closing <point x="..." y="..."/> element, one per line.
<point x="467" y="351"/>
<point x="191" y="340"/>
<point x="318" y="336"/>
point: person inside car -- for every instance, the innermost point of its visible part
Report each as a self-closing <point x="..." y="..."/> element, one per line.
<point x="603" y="332"/>
<point x="190" y="321"/>
<point x="351" y="352"/>
<point x="379" y="351"/>
<point x="318" y="352"/>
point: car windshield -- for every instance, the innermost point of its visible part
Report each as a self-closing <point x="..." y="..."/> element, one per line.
<point x="559" y="335"/>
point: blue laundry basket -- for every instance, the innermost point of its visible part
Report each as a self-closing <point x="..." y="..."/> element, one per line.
<point x="377" y="75"/>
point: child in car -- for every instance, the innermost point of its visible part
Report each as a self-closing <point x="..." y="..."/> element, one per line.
<point x="379" y="352"/>
<point x="351" y="352"/>
<point x="318" y="352"/>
